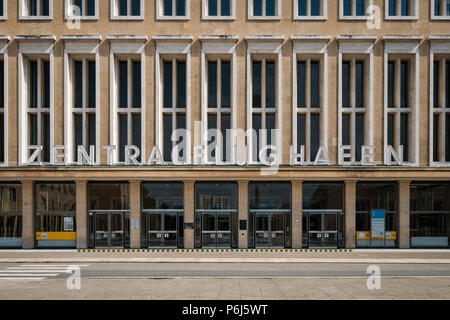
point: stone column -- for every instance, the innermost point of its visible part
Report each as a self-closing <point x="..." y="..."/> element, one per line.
<point x="81" y="214"/>
<point x="28" y="234"/>
<point x="297" y="213"/>
<point x="135" y="214"/>
<point x="189" y="236"/>
<point x="350" y="213"/>
<point x="243" y="212"/>
<point x="404" y="215"/>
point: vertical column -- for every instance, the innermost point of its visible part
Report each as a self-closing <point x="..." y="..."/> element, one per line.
<point x="350" y="213"/>
<point x="135" y="214"/>
<point x="189" y="236"/>
<point x="27" y="214"/>
<point x="81" y="214"/>
<point x="404" y="215"/>
<point x="243" y="212"/>
<point x="297" y="214"/>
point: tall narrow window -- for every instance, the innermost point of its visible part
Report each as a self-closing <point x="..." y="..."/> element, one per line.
<point x="38" y="109"/>
<point x="219" y="103"/>
<point x="441" y="109"/>
<point x="308" y="107"/>
<point x="129" y="108"/>
<point x="174" y="89"/>
<point x="399" y="105"/>
<point x="263" y="103"/>
<point x="84" y="105"/>
<point x="2" y="9"/>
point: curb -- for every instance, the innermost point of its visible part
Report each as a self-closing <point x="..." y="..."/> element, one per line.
<point x="210" y="250"/>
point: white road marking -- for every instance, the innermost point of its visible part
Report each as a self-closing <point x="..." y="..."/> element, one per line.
<point x="36" y="271"/>
<point x="21" y="279"/>
<point x="28" y="274"/>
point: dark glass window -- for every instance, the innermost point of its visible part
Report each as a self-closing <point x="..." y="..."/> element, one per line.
<point x="167" y="81"/>
<point x="301" y="131"/>
<point x="123" y="84"/>
<point x="123" y="5"/>
<point x="211" y="195"/>
<point x="91" y="130"/>
<point x="212" y="124"/>
<point x="436" y="83"/>
<point x="109" y="196"/>
<point x="46" y="137"/>
<point x="392" y="4"/>
<point x="90" y="8"/>
<point x="359" y="84"/>
<point x="315" y="8"/>
<point x="346" y="126"/>
<point x="168" y="7"/>
<point x="302" y="7"/>
<point x="1" y="8"/>
<point x="447" y="84"/>
<point x="269" y="195"/>
<point x="136" y="118"/>
<point x="360" y="8"/>
<point x="181" y="8"/>
<point x="256" y="121"/>
<point x="437" y="4"/>
<point x="226" y="125"/>
<point x="2" y="84"/>
<point x="315" y="84"/>
<point x="32" y="7"/>
<point x="226" y="84"/>
<point x="257" y="7"/>
<point x="323" y="196"/>
<point x="381" y="195"/>
<point x="391" y="84"/>
<point x="405" y="8"/>
<point x="347" y="7"/>
<point x="391" y="128"/>
<point x="123" y="135"/>
<point x="78" y="94"/>
<point x="226" y="8"/>
<point x="33" y="130"/>
<point x="256" y="84"/>
<point x="436" y="137"/>
<point x="167" y="137"/>
<point x="91" y="85"/>
<point x="404" y="135"/>
<point x="404" y="85"/>
<point x="212" y="84"/>
<point x="359" y="135"/>
<point x="136" y="8"/>
<point x="447" y="135"/>
<point x="181" y="124"/>
<point x="78" y="124"/>
<point x="315" y="135"/>
<point x="181" y="84"/>
<point x="45" y="7"/>
<point x="212" y="7"/>
<point x="346" y="84"/>
<point x="270" y="125"/>
<point x="163" y="195"/>
<point x="79" y="4"/>
<point x="136" y="84"/>
<point x="33" y="84"/>
<point x="46" y="84"/>
<point x="2" y="137"/>
<point x="270" y="84"/>
<point x="301" y="84"/>
<point x="270" y="8"/>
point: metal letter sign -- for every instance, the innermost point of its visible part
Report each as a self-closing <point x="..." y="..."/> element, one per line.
<point x="378" y="217"/>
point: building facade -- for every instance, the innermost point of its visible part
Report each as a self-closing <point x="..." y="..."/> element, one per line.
<point x="225" y="124"/>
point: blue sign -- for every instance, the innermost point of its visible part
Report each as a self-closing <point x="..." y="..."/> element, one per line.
<point x="377" y="223"/>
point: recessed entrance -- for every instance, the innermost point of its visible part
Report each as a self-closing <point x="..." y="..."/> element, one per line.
<point x="162" y="229"/>
<point x="322" y="228"/>
<point x="110" y="229"/>
<point x="269" y="229"/>
<point x="216" y="229"/>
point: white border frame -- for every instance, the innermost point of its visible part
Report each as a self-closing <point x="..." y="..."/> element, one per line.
<point x="324" y="15"/>
<point x="29" y="45"/>
<point x="160" y="14"/>
<point x="225" y="46"/>
<point x="433" y="16"/>
<point x="4" y="40"/>
<point x="357" y="45"/>
<point x="353" y="16"/>
<point x="414" y="7"/>
<point x="114" y="15"/>
<point x="23" y="15"/>
<point x="403" y="45"/>
<point x="67" y="16"/>
<point x="205" y="15"/>
<point x="310" y="45"/>
<point x="251" y="17"/>
<point x="266" y="45"/>
<point x="438" y="45"/>
<point x="83" y="45"/>
<point x="125" y="45"/>
<point x="172" y="45"/>
<point x="5" y="10"/>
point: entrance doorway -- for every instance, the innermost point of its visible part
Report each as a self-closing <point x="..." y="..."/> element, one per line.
<point x="216" y="229"/>
<point x="110" y="229"/>
<point x="269" y="229"/>
<point x="163" y="229"/>
<point x="323" y="228"/>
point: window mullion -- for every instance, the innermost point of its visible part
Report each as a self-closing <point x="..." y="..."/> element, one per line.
<point x="219" y="83"/>
<point x="308" y="135"/>
<point x="308" y="83"/>
<point x="84" y="131"/>
<point x="353" y="83"/>
<point x="353" y="133"/>
<point x="174" y="84"/>
<point x="263" y="83"/>
<point x="39" y="83"/>
<point x="129" y="127"/>
<point x="443" y="138"/>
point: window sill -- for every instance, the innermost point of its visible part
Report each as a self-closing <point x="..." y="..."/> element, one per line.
<point x="401" y="18"/>
<point x="173" y="18"/>
<point x="215" y="18"/>
<point x="88" y="18"/>
<point x="310" y="18"/>
<point x="36" y="18"/>
<point x="127" y="18"/>
<point x="354" y="18"/>
<point x="437" y="18"/>
<point x="264" y="18"/>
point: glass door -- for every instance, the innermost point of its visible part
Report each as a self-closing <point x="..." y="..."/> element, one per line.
<point x="277" y="230"/>
<point x="117" y="227"/>
<point x="162" y="230"/>
<point x="269" y="230"/>
<point x="216" y="230"/>
<point x="109" y="230"/>
<point x="323" y="229"/>
<point x="101" y="230"/>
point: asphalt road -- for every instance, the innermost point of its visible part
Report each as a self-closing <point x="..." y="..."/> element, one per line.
<point x="219" y="270"/>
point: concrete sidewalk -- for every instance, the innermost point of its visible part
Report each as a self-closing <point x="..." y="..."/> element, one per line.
<point x="356" y="256"/>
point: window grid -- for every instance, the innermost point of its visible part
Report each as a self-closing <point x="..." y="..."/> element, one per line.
<point x="260" y="109"/>
<point x="132" y="109"/>
<point x="401" y="9"/>
<point x="261" y="9"/>
<point x="353" y="107"/>
<point x="36" y="9"/>
<point x="226" y="13"/>
<point x="221" y="110"/>
<point x="440" y="9"/>
<point x="354" y="9"/>
<point x="306" y="109"/>
<point x="441" y="110"/>
<point x="117" y="5"/>
<point x="38" y="107"/>
<point x="87" y="109"/>
<point x="89" y="8"/>
<point x="173" y="9"/>
<point x="399" y="109"/>
<point x="303" y="9"/>
<point x="177" y="111"/>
